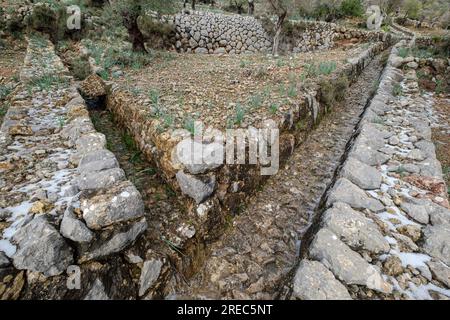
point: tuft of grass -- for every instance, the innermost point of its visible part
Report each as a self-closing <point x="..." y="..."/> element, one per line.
<point x="243" y="63"/>
<point x="439" y="87"/>
<point x="189" y="125"/>
<point x="154" y="96"/>
<point x="239" y="114"/>
<point x="292" y="90"/>
<point x="403" y="52"/>
<point x="255" y="101"/>
<point x="397" y="90"/>
<point x="274" y="108"/>
<point x="4" y="91"/>
<point x="46" y="82"/>
<point x="327" y="67"/>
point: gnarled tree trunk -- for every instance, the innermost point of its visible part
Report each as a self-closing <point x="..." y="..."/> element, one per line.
<point x="136" y="36"/>
<point x="278" y="28"/>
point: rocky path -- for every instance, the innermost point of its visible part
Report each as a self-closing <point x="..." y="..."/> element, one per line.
<point x="252" y="258"/>
<point x="384" y="233"/>
<point x="64" y="202"/>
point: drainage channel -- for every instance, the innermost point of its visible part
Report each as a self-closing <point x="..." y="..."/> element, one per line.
<point x="256" y="256"/>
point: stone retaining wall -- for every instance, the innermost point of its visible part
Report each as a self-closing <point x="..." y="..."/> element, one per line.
<point x="384" y="229"/>
<point x="63" y="196"/>
<point x="205" y="32"/>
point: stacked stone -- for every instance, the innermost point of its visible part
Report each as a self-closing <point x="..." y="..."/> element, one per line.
<point x="67" y="201"/>
<point x="204" y="32"/>
<point x="342" y="33"/>
<point x="384" y="235"/>
<point x="317" y="35"/>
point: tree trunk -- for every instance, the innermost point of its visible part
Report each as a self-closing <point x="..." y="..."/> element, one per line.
<point x="276" y="38"/>
<point x="251" y="7"/>
<point x="136" y="36"/>
<point x="193" y="5"/>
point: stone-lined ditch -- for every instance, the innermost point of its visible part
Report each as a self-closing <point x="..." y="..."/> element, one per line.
<point x="188" y="248"/>
<point x="253" y="258"/>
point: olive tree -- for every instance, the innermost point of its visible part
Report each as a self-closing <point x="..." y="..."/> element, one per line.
<point x="129" y="12"/>
<point x="281" y="9"/>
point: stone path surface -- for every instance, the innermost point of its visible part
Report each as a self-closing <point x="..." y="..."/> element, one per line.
<point x="251" y="260"/>
<point x="384" y="232"/>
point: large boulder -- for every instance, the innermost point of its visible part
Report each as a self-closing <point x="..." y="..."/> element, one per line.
<point x="437" y="242"/>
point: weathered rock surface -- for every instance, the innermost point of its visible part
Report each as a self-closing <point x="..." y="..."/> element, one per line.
<point x="364" y="176"/>
<point x="100" y="179"/>
<point x="437" y="242"/>
<point x="74" y="229"/>
<point x="97" y="292"/>
<point x="149" y="274"/>
<point x="440" y="271"/>
<point x="98" y="161"/>
<point x="120" y="203"/>
<point x="116" y="243"/>
<point x="347" y="192"/>
<point x="357" y="231"/>
<point x="41" y="248"/>
<point x="315" y="282"/>
<point x="198" y="188"/>
<point x="346" y="264"/>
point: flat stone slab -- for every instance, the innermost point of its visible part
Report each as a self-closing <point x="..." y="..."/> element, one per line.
<point x="346" y="264"/>
<point x="361" y="174"/>
<point x="347" y="192"/>
<point x="315" y="282"/>
<point x="437" y="242"/>
<point x="354" y="229"/>
<point x="100" y="179"/>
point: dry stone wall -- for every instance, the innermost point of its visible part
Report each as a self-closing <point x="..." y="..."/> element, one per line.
<point x="64" y="198"/>
<point x="384" y="232"/>
<point x="205" y="32"/>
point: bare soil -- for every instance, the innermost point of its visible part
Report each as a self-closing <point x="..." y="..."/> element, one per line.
<point x="217" y="89"/>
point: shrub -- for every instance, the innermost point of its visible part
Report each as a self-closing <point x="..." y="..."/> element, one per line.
<point x="326" y="93"/>
<point x="157" y="34"/>
<point x="412" y="8"/>
<point x="80" y="67"/>
<point x="403" y="52"/>
<point x="352" y="8"/>
<point x="327" y="67"/>
<point x="341" y="85"/>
